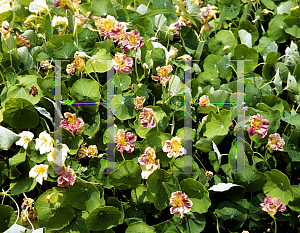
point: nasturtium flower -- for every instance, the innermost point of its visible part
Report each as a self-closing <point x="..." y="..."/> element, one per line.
<point x="180" y="203"/>
<point x="175" y="28"/>
<point x="58" y="20"/>
<point x="5" y="30"/>
<point x="148" y="162"/>
<point x="44" y="142"/>
<point x="132" y="41"/>
<point x="209" y="174"/>
<point x="38" y="6"/>
<point x="138" y="102"/>
<point x="173" y="147"/>
<point x="66" y="176"/>
<point x="105" y="25"/>
<point x="62" y="3"/>
<point x="208" y="12"/>
<point x="122" y="63"/>
<point x="275" y="142"/>
<point x="80" y="20"/>
<point x="39" y="172"/>
<point x="46" y="65"/>
<point x="118" y="32"/>
<point x="92" y="151"/>
<point x="272" y="205"/>
<point x="147" y="118"/>
<point x="26" y="137"/>
<point x="163" y="74"/>
<point x="197" y="2"/>
<point x="172" y="53"/>
<point x="58" y="156"/>
<point x="125" y="142"/>
<point x="82" y="151"/>
<point x="259" y="125"/>
<point x="21" y="40"/>
<point x="4" y="6"/>
<point x="206" y="27"/>
<point x="73" y="123"/>
<point x="185" y="57"/>
<point x="204" y="100"/>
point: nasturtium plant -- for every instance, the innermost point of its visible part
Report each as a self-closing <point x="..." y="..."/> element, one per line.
<point x="143" y="116"/>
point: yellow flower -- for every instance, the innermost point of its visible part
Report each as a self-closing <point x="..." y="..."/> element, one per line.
<point x="39" y="172"/>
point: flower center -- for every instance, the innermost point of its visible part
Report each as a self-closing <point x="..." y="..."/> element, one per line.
<point x="26" y="139"/>
<point x="72" y="119"/>
<point x="163" y="72"/>
<point x="176" y="145"/>
<point x="132" y="39"/>
<point x="256" y="123"/>
<point x="274" y="141"/>
<point x="178" y="202"/>
<point x="119" y="61"/>
<point x="122" y="140"/>
<point x="40" y="170"/>
<point x="108" y="25"/>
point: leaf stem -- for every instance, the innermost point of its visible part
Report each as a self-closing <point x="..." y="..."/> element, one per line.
<point x="119" y="83"/>
<point x="135" y="66"/>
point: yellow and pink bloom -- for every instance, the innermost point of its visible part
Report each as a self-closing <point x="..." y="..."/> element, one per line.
<point x="122" y="63"/>
<point x="259" y="125"/>
<point x="125" y="142"/>
<point x="163" y="74"/>
<point x="132" y="40"/>
<point x="148" y="162"/>
<point x="148" y="118"/>
<point x="272" y="204"/>
<point x="173" y="147"/>
<point x="180" y="203"/>
<point x="72" y="123"/>
<point x="275" y="142"/>
<point x="138" y="102"/>
<point x="66" y="176"/>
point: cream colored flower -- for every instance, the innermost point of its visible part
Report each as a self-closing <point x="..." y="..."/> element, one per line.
<point x="44" y="143"/>
<point x="39" y="172"/>
<point x="58" y="20"/>
<point x="172" y="53"/>
<point x="4" y="6"/>
<point x="185" y="57"/>
<point x="38" y="6"/>
<point x="26" y="137"/>
<point x="57" y="156"/>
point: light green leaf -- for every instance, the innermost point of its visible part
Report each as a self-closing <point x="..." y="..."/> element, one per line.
<point x="292" y="22"/>
<point x="100" y="62"/>
<point x="230" y="8"/>
<point x="124" y="107"/>
<point x="292" y="84"/>
<point x="278" y="82"/>
<point x="219" y="41"/>
<point x="217" y="124"/>
<point x="245" y="38"/>
<point x="140" y="227"/>
<point x="7" y="138"/>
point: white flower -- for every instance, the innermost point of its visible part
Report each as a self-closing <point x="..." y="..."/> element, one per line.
<point x="39" y="172"/>
<point x="58" y="20"/>
<point x="172" y="53"/>
<point x="38" y="6"/>
<point x="44" y="143"/>
<point x="4" y="5"/>
<point x="147" y="172"/>
<point x="57" y="156"/>
<point x="26" y="137"/>
<point x="185" y="57"/>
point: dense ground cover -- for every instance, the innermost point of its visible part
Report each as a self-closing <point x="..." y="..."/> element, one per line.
<point x="153" y="47"/>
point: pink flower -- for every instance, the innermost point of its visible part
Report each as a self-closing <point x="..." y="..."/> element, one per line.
<point x="275" y="142"/>
<point x="132" y="41"/>
<point x="259" y="125"/>
<point x="122" y="63"/>
<point x="180" y="203"/>
<point x="272" y="205"/>
<point x="163" y="74"/>
<point x="148" y="162"/>
<point x="138" y="102"/>
<point x="148" y="118"/>
<point x="66" y="176"/>
<point x="21" y="40"/>
<point x="72" y="123"/>
<point x="204" y="100"/>
<point x="118" y="32"/>
<point x="125" y="143"/>
<point x="173" y="147"/>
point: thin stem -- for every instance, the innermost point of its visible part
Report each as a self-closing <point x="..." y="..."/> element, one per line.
<point x="119" y="83"/>
<point x="275" y="224"/>
<point x="135" y="65"/>
<point x="168" y="44"/>
<point x="5" y="194"/>
<point x="9" y="53"/>
<point x="263" y="159"/>
<point x="201" y="163"/>
<point x="123" y="157"/>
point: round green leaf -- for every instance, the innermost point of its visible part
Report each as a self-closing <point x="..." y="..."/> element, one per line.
<point x="253" y="95"/>
<point x="230" y="8"/>
<point x="242" y="52"/>
<point x="133" y="214"/>
<point x="291" y="23"/>
<point x="160" y="187"/>
<point x="85" y="90"/>
<point x="278" y="185"/>
<point x="83" y="196"/>
<point x="156" y="140"/>
<point x="124" y="107"/>
<point x="158" y="56"/>
<point x="33" y="154"/>
<point x="211" y="63"/>
<point x="276" y="30"/>
<point x="100" y="62"/>
<point x="55" y="214"/>
<point x="47" y="86"/>
<point x="7" y="138"/>
<point x="86" y="39"/>
<point x="178" y="169"/>
<point x="231" y="215"/>
<point x="219" y="41"/>
<point x="126" y="176"/>
<point x="249" y="27"/>
<point x="78" y="224"/>
<point x="166" y="227"/>
<point x="91" y="123"/>
<point x="18" y="111"/>
<point x="125" y="81"/>
<point x="293" y="145"/>
<point x="140" y="227"/>
<point x="217" y="124"/>
<point x="255" y="209"/>
<point x="66" y="52"/>
<point x="10" y="75"/>
<point x="252" y="180"/>
<point x="103" y="8"/>
<point x="192" y="222"/>
<point x="103" y="218"/>
<point x="197" y="193"/>
<point x="7" y="217"/>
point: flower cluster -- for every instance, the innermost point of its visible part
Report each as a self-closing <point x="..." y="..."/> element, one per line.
<point x="175" y="28"/>
<point x="38" y="6"/>
<point x="122" y="63"/>
<point x="4" y="6"/>
<point x="163" y="74"/>
<point x="58" y="155"/>
<point x="78" y="64"/>
<point x="180" y="203"/>
<point x="44" y="143"/>
<point x="272" y="205"/>
<point x="73" y="123"/>
<point x="80" y="20"/>
<point x="148" y="118"/>
<point x="125" y="142"/>
<point x="67" y="4"/>
<point x="275" y="142"/>
<point x="148" y="162"/>
<point x="87" y="151"/>
<point x="58" y="20"/>
<point x="259" y="125"/>
<point x="138" y="102"/>
<point x="173" y="147"/>
<point x="66" y="176"/>
<point x="185" y="57"/>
